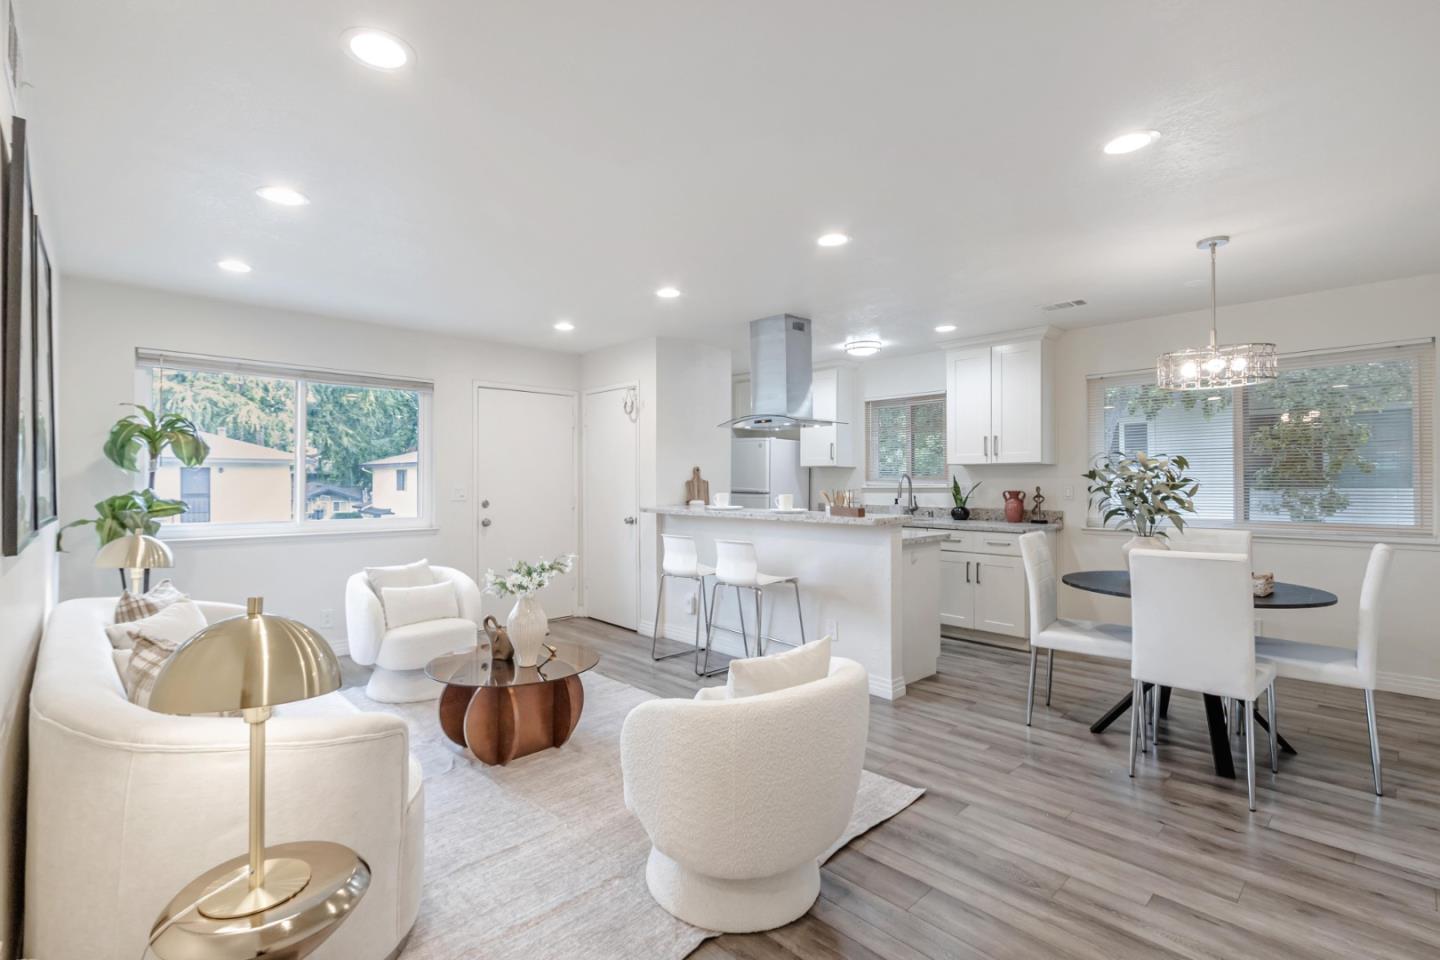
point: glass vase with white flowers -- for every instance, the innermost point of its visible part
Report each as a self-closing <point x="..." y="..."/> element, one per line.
<point x="527" y="624"/>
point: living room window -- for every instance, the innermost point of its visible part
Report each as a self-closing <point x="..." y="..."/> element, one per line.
<point x="358" y="443"/>
<point x="905" y="435"/>
<point x="1342" y="443"/>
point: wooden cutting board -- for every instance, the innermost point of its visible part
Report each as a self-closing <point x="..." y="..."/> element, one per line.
<point x="697" y="488"/>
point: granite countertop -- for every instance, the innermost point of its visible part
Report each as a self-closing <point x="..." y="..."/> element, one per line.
<point x="982" y="520"/>
<point x="808" y="516"/>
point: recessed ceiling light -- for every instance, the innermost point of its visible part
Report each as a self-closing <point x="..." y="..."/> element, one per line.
<point x="283" y="196"/>
<point x="833" y="240"/>
<point x="1130" y="142"/>
<point x="564" y="326"/>
<point x="668" y="293"/>
<point x="231" y="265"/>
<point x="945" y="328"/>
<point x="862" y="347"/>
<point x="376" y="48"/>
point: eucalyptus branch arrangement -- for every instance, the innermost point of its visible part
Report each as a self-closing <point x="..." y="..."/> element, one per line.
<point x="1142" y="491"/>
<point x="525" y="579"/>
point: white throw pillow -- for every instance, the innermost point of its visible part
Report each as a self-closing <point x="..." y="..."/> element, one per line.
<point x="417" y="574"/>
<point x="132" y="607"/>
<point x="804" y="664"/>
<point x="407" y="605"/>
<point x="154" y="639"/>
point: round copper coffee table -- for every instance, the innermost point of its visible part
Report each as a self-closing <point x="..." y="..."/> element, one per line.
<point x="501" y="711"/>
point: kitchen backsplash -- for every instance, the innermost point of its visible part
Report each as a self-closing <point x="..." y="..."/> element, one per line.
<point x="988" y="514"/>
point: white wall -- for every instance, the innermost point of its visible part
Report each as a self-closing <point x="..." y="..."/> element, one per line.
<point x="302" y="576"/>
<point x="1371" y="313"/>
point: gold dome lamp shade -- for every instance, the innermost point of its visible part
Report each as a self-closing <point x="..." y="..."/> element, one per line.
<point x="135" y="552"/>
<point x="281" y="902"/>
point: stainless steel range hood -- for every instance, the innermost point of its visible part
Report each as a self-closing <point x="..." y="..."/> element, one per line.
<point x="780" y="377"/>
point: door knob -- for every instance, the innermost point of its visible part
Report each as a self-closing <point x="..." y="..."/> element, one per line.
<point x="630" y="520"/>
<point x="485" y="504"/>
<point x="485" y="522"/>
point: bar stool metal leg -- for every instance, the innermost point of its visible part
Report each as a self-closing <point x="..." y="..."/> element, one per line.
<point x="799" y="614"/>
<point x="759" y="621"/>
<point x="659" y="607"/>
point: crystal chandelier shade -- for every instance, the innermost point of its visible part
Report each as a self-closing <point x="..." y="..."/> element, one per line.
<point x="1219" y="366"/>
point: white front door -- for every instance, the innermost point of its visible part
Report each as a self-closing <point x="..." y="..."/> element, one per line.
<point x="525" y="487"/>
<point x="612" y="507"/>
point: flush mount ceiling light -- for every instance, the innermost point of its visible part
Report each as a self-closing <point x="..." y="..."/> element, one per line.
<point x="282" y="196"/>
<point x="564" y="326"/>
<point x="376" y="48"/>
<point x="832" y="240"/>
<point x="231" y="265"/>
<point x="668" y="293"/>
<point x="862" y="347"/>
<point x="1219" y="366"/>
<point x="1130" y="142"/>
<point x="945" y="328"/>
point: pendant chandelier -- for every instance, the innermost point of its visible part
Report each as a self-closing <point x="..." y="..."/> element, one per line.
<point x="1219" y="366"/>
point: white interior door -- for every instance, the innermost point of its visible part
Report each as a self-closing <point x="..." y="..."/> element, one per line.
<point x="525" y="487"/>
<point x="612" y="507"/>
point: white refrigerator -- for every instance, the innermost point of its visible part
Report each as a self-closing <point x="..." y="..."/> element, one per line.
<point x="762" y="468"/>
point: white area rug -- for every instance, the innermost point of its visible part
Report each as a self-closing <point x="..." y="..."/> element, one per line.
<point x="540" y="859"/>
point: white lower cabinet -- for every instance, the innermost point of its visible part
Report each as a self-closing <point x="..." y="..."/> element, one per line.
<point x="982" y="583"/>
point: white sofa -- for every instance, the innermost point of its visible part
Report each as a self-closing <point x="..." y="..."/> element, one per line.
<point x="741" y="797"/>
<point x="126" y="805"/>
<point x="399" y="655"/>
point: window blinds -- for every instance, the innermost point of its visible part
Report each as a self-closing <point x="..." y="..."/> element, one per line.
<point x="156" y="358"/>
<point x="1342" y="442"/>
<point x="906" y="435"/>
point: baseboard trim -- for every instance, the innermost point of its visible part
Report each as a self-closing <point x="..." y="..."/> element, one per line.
<point x="1428" y="687"/>
<point x="341" y="646"/>
<point x="887" y="689"/>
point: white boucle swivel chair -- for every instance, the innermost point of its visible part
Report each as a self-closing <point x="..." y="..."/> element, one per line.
<point x="742" y="797"/>
<point x="399" y="654"/>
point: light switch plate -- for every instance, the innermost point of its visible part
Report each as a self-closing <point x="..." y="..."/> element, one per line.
<point x="458" y="494"/>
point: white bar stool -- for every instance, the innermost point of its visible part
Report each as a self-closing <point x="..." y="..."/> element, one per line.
<point x="680" y="560"/>
<point x="737" y="566"/>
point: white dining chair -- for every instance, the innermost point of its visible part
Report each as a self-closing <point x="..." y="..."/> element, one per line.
<point x="737" y="566"/>
<point x="681" y="561"/>
<point x="1194" y="624"/>
<point x="1048" y="632"/>
<point x="1342" y="666"/>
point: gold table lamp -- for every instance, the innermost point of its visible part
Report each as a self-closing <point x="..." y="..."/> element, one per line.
<point x="281" y="902"/>
<point x="135" y="552"/>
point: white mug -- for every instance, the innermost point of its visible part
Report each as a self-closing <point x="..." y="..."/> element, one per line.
<point x="720" y="499"/>
<point x="785" y="501"/>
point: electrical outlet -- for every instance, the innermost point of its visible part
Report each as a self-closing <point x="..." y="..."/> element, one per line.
<point x="327" y="617"/>
<point x="690" y="603"/>
<point x="458" y="494"/>
<point x="1069" y="493"/>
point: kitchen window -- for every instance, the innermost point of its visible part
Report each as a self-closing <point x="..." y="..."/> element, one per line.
<point x="292" y="450"/>
<point x="905" y="435"/>
<point x="1342" y="443"/>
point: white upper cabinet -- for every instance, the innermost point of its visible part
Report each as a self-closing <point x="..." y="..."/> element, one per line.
<point x="999" y="404"/>
<point x="832" y="394"/>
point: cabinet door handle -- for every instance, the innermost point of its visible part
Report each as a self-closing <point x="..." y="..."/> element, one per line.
<point x="996" y="445"/>
<point x="832" y="452"/>
<point x="998" y="543"/>
<point x="977" y="573"/>
<point x="985" y="442"/>
<point x="967" y="571"/>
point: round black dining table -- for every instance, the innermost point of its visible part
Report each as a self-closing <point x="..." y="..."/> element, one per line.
<point x="1286" y="596"/>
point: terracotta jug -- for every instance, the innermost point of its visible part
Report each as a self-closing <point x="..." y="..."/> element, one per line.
<point x="1014" y="506"/>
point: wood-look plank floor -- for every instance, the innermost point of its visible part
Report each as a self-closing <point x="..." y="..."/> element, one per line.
<point x="1036" y="843"/>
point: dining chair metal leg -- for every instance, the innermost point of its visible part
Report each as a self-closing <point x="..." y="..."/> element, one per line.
<point x="799" y="614"/>
<point x="1049" y="674"/>
<point x="1274" y="729"/>
<point x="1155" y="715"/>
<point x="1137" y="695"/>
<point x="1250" y="752"/>
<point x="1374" y="742"/>
<point x="1030" y="687"/>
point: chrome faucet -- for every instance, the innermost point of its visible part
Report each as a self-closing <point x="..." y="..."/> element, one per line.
<point x="910" y="505"/>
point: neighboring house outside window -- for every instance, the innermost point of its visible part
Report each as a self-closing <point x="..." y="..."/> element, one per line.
<point x="364" y="445"/>
<point x="905" y="435"/>
<point x="1342" y="443"/>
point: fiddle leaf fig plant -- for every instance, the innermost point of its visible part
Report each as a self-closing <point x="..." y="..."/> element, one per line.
<point x="152" y="433"/>
<point x="1142" y="491"/>
<point x="126" y="513"/>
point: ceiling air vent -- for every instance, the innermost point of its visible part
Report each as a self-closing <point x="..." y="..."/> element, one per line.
<point x="1062" y="305"/>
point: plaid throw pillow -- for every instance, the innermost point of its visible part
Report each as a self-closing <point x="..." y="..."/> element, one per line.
<point x="134" y="607"/>
<point x="155" y="639"/>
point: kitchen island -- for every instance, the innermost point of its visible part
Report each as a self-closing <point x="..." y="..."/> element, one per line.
<point x="868" y="582"/>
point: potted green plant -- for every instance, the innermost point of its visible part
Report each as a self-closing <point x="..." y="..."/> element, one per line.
<point x="961" y="510"/>
<point x="145" y="430"/>
<point x="1143" y="493"/>
<point x="124" y="514"/>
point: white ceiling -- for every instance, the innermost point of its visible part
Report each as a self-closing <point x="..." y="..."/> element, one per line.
<point x="566" y="158"/>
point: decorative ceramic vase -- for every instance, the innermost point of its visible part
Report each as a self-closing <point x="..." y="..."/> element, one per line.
<point x="527" y="626"/>
<point x="959" y="513"/>
<point x="1014" y="506"/>
<point x="1141" y="543"/>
